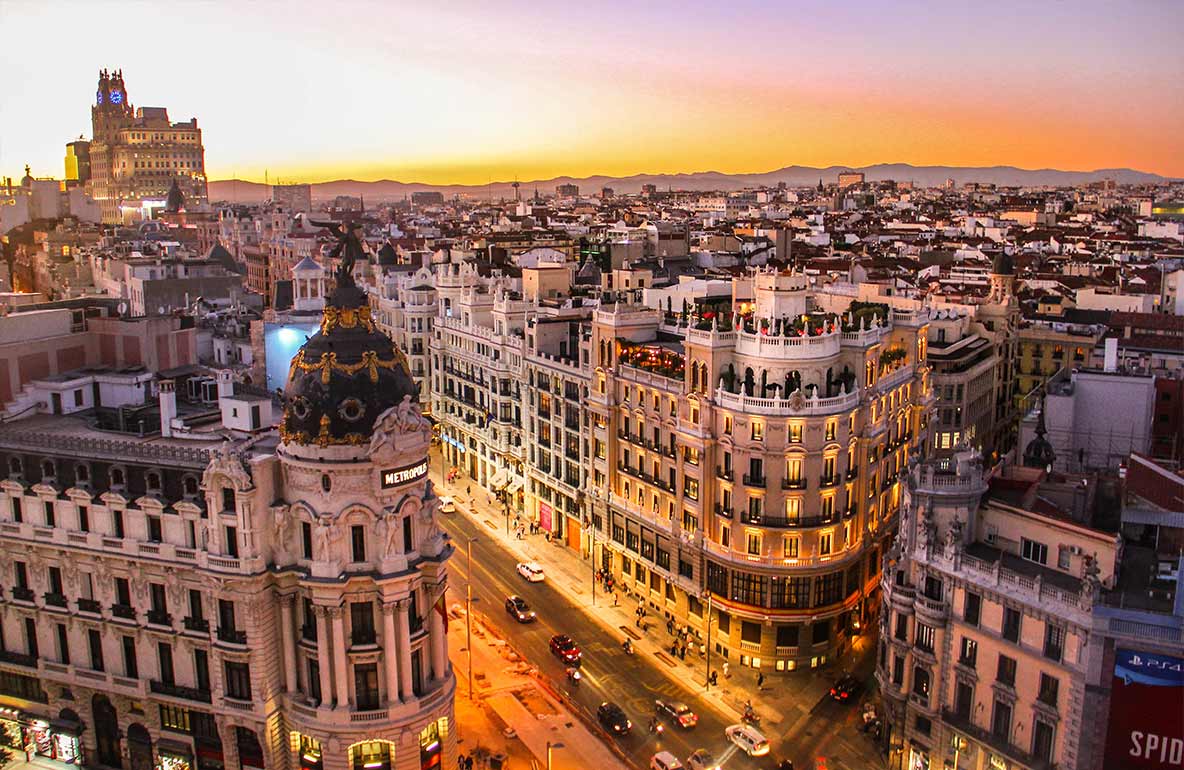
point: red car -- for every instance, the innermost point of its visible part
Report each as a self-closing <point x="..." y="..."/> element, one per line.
<point x="565" y="649"/>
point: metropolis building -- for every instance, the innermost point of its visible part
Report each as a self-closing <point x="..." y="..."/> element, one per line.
<point x="265" y="601"/>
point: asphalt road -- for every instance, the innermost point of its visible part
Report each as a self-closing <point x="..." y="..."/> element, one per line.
<point x="631" y="681"/>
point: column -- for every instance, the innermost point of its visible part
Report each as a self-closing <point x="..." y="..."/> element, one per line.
<point x="405" y="650"/>
<point x="439" y="640"/>
<point x="323" y="661"/>
<point x="390" y="653"/>
<point x="341" y="667"/>
<point x="287" y="601"/>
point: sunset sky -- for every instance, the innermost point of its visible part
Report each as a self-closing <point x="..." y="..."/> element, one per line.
<point x="472" y="92"/>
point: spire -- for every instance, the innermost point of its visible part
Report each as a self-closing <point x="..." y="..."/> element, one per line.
<point x="1039" y="452"/>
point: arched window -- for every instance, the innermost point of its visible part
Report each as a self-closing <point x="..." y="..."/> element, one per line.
<point x="189" y="486"/>
<point x="117" y="477"/>
<point x="14" y="465"/>
<point x="152" y="481"/>
<point x="82" y="473"/>
<point x="48" y="469"/>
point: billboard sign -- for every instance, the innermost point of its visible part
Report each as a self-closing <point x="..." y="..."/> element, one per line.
<point x="1146" y="725"/>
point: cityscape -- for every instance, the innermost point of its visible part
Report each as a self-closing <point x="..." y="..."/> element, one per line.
<point x="419" y="401"/>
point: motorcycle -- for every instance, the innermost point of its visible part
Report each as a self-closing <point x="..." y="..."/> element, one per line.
<point x="656" y="726"/>
<point x="627" y="646"/>
<point x="750" y="717"/>
<point x="574" y="676"/>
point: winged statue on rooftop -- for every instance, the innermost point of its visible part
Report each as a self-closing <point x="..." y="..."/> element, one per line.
<point x="349" y="247"/>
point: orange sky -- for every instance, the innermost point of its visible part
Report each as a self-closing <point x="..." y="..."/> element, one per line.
<point x="473" y="92"/>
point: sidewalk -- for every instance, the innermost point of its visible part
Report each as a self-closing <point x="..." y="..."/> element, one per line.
<point x="510" y="713"/>
<point x="785" y="701"/>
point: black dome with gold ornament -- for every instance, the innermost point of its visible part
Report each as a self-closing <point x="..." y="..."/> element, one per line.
<point x="348" y="373"/>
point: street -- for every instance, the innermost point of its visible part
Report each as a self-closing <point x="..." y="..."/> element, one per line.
<point x="820" y="732"/>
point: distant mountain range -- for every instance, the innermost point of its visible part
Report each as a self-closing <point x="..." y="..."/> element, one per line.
<point x="387" y="190"/>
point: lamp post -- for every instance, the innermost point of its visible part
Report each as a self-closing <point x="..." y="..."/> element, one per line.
<point x="469" y="611"/>
<point x="552" y="745"/>
<point x="707" y="681"/>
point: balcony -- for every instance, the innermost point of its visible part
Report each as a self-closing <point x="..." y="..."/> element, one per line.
<point x="232" y="636"/>
<point x="934" y="610"/>
<point x="828" y="481"/>
<point x="160" y="618"/>
<point x="180" y="691"/>
<point x="789" y="522"/>
<point x="200" y="625"/>
<point x="727" y="474"/>
<point x="793" y="483"/>
<point x="55" y="600"/>
<point x="90" y="605"/>
<point x="18" y="658"/>
<point x="22" y="594"/>
<point x="997" y="743"/>
<point x="754" y="481"/>
<point x="125" y="611"/>
<point x="727" y="513"/>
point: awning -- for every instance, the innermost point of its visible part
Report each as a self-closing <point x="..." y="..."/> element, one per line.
<point x="514" y="487"/>
<point x="499" y="479"/>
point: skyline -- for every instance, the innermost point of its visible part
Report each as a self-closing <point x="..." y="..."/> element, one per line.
<point x="466" y="95"/>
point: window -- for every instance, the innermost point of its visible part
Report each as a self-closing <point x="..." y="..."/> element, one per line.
<point x="897" y="670"/>
<point x="758" y="430"/>
<point x="201" y="669"/>
<point x="1049" y="686"/>
<point x="832" y="427"/>
<point x="164" y="655"/>
<point x="117" y="522"/>
<point x="972" y="608"/>
<point x="793" y="509"/>
<point x="227" y="500"/>
<point x="357" y="537"/>
<point x="792" y="545"/>
<point x="131" y="665"/>
<point x="921" y="682"/>
<point x="1054" y="642"/>
<point x="306" y="539"/>
<point x="232" y="542"/>
<point x="902" y="627"/>
<point x="828" y="589"/>
<point x="824" y="543"/>
<point x="1005" y="673"/>
<point x="924" y="638"/>
<point x="225" y="615"/>
<point x="95" y="643"/>
<point x="238" y="680"/>
<point x="63" y="644"/>
<point x="50" y="518"/>
<point x="753" y="543"/>
<point x="1001" y="721"/>
<point x="969" y="653"/>
<point x="1034" y="551"/>
<point x="366" y="685"/>
<point x="727" y="424"/>
<point x="787" y="636"/>
<point x="83" y="519"/>
<point x="155" y="533"/>
<point x="361" y="619"/>
<point x="1043" y="740"/>
<point x="821" y="631"/>
<point x="1011" y="625"/>
<point x="314" y="680"/>
<point x="795" y="432"/>
<point x="963" y="699"/>
<point x="690" y="487"/>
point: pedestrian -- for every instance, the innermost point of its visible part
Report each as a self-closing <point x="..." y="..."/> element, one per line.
<point x="469" y="762"/>
<point x="674" y="650"/>
<point x="460" y="762"/>
<point x="683" y="652"/>
<point x="670" y="626"/>
<point x="760" y="681"/>
<point x="725" y="668"/>
<point x="638" y="621"/>
<point x="616" y="598"/>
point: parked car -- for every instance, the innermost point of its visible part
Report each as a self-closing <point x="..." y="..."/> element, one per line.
<point x="701" y="759"/>
<point x="531" y="571"/>
<point x="748" y="739"/>
<point x="677" y="712"/>
<point x="447" y="504"/>
<point x="613" y="719"/>
<point x="565" y="649"/>
<point x="519" y="609"/>
<point x="664" y="760"/>
<point x="846" y="688"/>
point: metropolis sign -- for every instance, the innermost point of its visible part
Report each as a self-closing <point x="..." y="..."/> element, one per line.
<point x="396" y="476"/>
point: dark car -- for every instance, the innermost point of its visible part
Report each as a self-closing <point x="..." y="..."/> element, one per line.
<point x="519" y="610"/>
<point x="565" y="649"/>
<point x="613" y="719"/>
<point x="677" y="712"/>
<point x="845" y="688"/>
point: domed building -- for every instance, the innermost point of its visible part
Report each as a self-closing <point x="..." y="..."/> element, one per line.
<point x="359" y="558"/>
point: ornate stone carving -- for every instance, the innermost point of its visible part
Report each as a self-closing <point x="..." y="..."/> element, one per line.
<point x="325" y="535"/>
<point x="387" y="528"/>
<point x="953" y="537"/>
<point x="1091" y="584"/>
<point x="401" y="420"/>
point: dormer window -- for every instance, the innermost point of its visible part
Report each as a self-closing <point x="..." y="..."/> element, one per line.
<point x="117" y="477"/>
<point x="48" y="470"/>
<point x="189" y="485"/>
<point x="82" y="473"/>
<point x="152" y="481"/>
<point x="14" y="466"/>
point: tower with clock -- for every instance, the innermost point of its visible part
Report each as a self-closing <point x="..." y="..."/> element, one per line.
<point x="112" y="110"/>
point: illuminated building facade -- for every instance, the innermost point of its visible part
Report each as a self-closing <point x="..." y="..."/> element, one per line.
<point x="137" y="154"/>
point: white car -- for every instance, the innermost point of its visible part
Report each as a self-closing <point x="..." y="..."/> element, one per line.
<point x="664" y="760"/>
<point x="701" y="760"/>
<point x="447" y="505"/>
<point x="531" y="571"/>
<point x="748" y="740"/>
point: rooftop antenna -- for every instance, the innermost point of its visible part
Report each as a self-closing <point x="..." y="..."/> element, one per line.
<point x="517" y="194"/>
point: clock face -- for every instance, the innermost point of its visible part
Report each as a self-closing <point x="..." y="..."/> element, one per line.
<point x="98" y="97"/>
<point x="116" y="97"/>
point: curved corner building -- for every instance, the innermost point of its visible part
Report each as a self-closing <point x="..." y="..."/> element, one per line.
<point x="752" y="464"/>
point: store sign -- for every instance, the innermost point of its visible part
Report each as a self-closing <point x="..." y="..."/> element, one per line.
<point x="398" y="476"/>
<point x="1146" y="725"/>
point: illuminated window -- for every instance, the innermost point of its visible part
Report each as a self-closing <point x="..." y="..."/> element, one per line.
<point x="758" y="430"/>
<point x="792" y="545"/>
<point x="825" y="543"/>
<point x="793" y="508"/>
<point x="832" y="429"/>
<point x="795" y="432"/>
<point x="728" y="424"/>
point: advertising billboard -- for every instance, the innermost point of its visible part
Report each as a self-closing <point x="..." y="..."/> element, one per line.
<point x="1146" y="725"/>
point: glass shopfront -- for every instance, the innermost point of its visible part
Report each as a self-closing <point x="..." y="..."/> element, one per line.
<point x="310" y="754"/>
<point x="173" y="755"/>
<point x="918" y="759"/>
<point x="56" y="739"/>
<point x="370" y="755"/>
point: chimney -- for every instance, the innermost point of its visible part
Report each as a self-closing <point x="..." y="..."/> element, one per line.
<point x="168" y="406"/>
<point x="225" y="384"/>
<point x="1110" y="364"/>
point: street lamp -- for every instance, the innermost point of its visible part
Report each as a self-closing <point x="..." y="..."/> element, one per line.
<point x="469" y="610"/>
<point x="707" y="681"/>
<point x="550" y="745"/>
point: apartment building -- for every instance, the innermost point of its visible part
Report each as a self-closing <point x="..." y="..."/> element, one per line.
<point x="477" y="350"/>
<point x="745" y="469"/>
<point x="213" y="595"/>
<point x="404" y="307"/>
